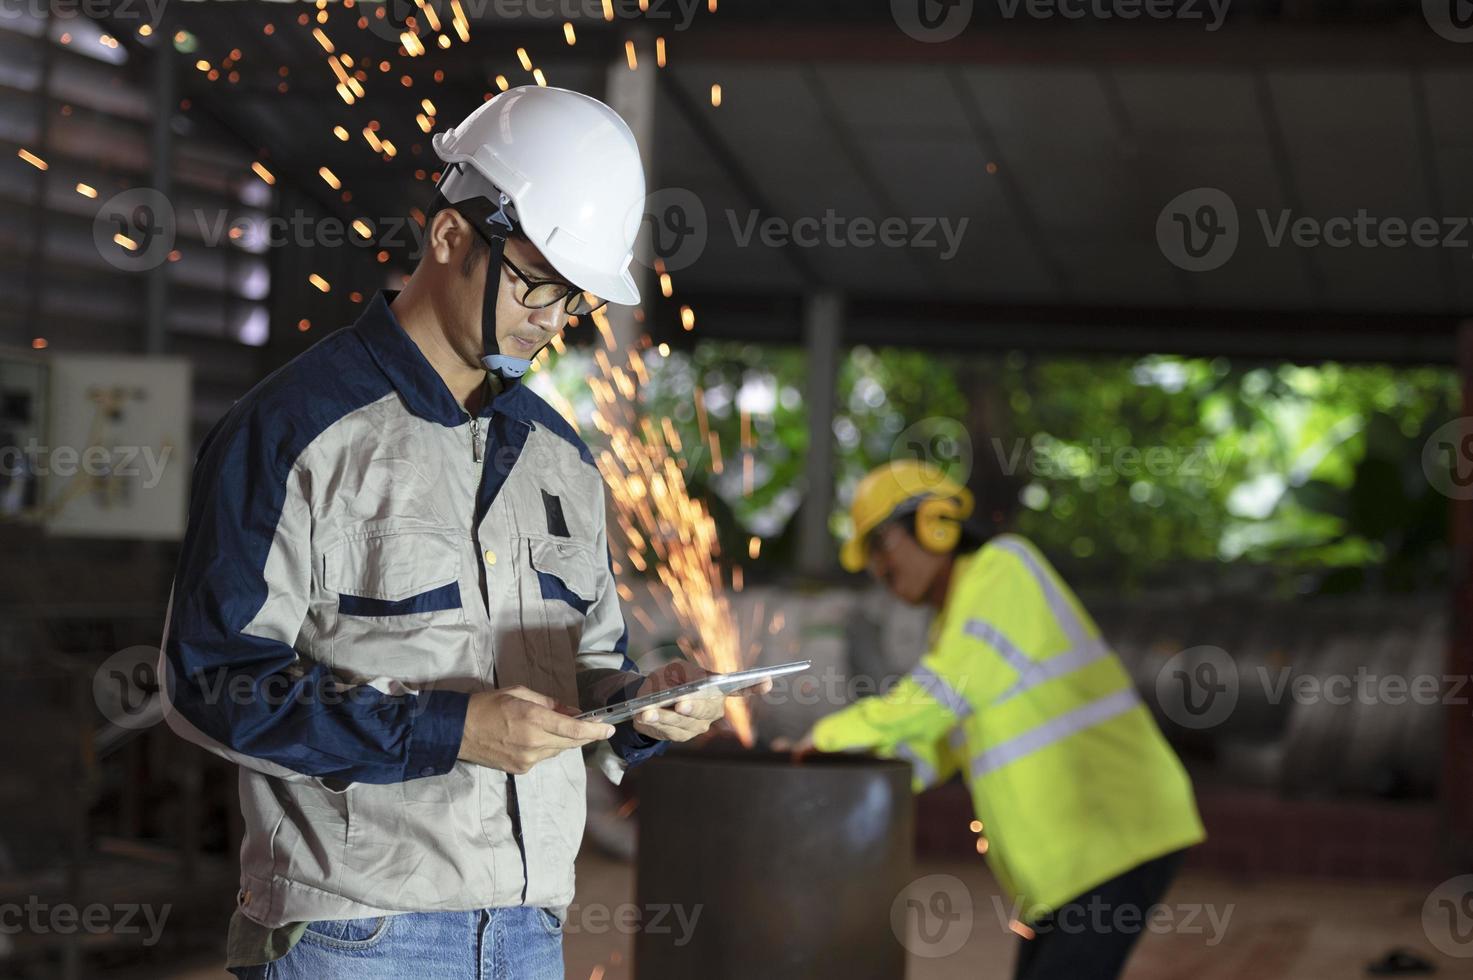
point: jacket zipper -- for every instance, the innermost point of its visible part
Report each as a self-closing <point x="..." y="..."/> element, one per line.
<point x="514" y="810"/>
<point x="475" y="437"/>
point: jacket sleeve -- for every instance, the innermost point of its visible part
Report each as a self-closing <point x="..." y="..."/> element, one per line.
<point x="931" y="763"/>
<point x="961" y="673"/>
<point x="607" y="675"/>
<point x="230" y="675"/>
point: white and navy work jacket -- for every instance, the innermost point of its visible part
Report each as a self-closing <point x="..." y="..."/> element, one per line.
<point x="362" y="555"/>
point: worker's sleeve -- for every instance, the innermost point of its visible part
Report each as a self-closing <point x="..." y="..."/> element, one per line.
<point x="961" y="674"/>
<point x="606" y="674"/>
<point x="230" y="675"/>
<point x="931" y="764"/>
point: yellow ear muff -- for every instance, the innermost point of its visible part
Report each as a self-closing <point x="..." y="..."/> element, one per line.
<point x="939" y="521"/>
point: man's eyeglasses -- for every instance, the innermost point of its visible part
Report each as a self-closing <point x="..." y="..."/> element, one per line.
<point x="537" y="294"/>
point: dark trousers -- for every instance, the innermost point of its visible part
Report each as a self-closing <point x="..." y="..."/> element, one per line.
<point x="1091" y="937"/>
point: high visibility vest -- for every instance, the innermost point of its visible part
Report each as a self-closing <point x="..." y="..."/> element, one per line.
<point x="933" y="763"/>
<point x="1069" y="774"/>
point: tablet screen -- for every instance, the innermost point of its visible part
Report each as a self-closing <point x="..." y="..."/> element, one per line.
<point x="728" y="683"/>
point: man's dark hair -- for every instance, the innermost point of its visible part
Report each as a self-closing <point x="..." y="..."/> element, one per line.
<point x="473" y="254"/>
<point x="479" y="248"/>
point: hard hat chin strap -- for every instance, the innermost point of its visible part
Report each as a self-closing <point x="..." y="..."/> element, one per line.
<point x="495" y="227"/>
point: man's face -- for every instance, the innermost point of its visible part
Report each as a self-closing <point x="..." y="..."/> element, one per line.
<point x="520" y="331"/>
<point x="899" y="563"/>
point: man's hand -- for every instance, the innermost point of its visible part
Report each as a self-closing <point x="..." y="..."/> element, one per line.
<point x="515" y="728"/>
<point x="689" y="717"/>
<point x="799" y="748"/>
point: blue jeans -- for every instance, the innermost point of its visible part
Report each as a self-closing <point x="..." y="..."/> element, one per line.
<point x="488" y="944"/>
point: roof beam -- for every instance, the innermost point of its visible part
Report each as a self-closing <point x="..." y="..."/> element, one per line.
<point x="1298" y="47"/>
<point x="1392" y="337"/>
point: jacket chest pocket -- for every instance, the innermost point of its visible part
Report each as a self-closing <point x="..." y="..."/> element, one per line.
<point x="564" y="574"/>
<point x="390" y="574"/>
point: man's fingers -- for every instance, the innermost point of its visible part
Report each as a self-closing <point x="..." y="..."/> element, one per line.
<point x="679" y="672"/>
<point x="561" y="726"/>
<point x="665" y="720"/>
<point x="707" y="709"/>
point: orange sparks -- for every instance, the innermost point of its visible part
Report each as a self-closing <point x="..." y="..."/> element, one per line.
<point x="664" y="530"/>
<point x="459" y="22"/>
<point x="715" y="442"/>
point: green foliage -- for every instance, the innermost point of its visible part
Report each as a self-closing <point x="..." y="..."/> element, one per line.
<point x="1128" y="466"/>
<point x="1303" y="468"/>
<point x="767" y="383"/>
<point x="880" y="394"/>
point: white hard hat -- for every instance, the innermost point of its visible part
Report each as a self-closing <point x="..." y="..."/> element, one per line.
<point x="571" y="169"/>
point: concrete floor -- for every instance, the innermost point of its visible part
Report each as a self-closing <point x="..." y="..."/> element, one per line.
<point x="1224" y="929"/>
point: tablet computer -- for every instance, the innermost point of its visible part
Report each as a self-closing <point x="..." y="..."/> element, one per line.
<point x="725" y="683"/>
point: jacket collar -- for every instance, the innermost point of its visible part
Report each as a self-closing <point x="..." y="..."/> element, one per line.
<point x="961" y="567"/>
<point x="411" y="373"/>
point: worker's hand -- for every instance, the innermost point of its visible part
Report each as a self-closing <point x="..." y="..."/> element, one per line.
<point x="799" y="748"/>
<point x="689" y="717"/>
<point x="515" y="728"/>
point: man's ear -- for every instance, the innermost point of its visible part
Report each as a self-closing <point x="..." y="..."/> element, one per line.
<point x="447" y="234"/>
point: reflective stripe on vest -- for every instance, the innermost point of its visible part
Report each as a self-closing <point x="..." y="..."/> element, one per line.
<point x="936" y="686"/>
<point x="1060" y="606"/>
<point x="1005" y="647"/>
<point x="1083" y="648"/>
<point x="1054" y="730"/>
<point x="923" y="769"/>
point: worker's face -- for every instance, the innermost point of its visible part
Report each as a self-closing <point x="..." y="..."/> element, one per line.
<point x="899" y="563"/>
<point x="520" y="331"/>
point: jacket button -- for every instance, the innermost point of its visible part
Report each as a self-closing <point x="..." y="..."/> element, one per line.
<point x="490" y="557"/>
<point x="246" y="898"/>
<point x="427" y="771"/>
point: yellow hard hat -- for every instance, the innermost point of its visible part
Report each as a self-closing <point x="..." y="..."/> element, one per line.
<point x="940" y="503"/>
